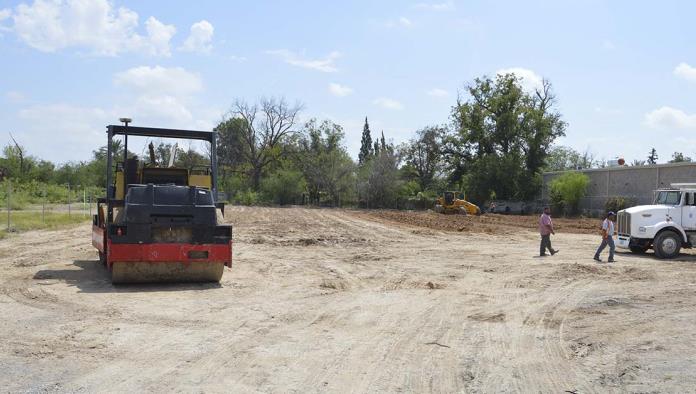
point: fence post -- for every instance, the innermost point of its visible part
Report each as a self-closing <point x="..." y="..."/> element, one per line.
<point x="9" y="191"/>
<point x="84" y="201"/>
<point x="43" y="206"/>
<point x="68" y="200"/>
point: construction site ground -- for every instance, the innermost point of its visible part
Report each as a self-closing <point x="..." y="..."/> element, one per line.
<point x="324" y="300"/>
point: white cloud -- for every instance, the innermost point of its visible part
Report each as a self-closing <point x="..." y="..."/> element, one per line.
<point x="324" y="65"/>
<point x="238" y="59"/>
<point x="685" y="71"/>
<point x="95" y="26"/>
<point x="401" y="22"/>
<point x="158" y="80"/>
<point x="152" y="96"/>
<point x="437" y="92"/>
<point x="529" y="80"/>
<point x="670" y="118"/>
<point x="80" y="130"/>
<point x="200" y="39"/>
<point x="608" y="45"/>
<point x="388" y="103"/>
<point x="339" y="90"/>
<point x="161" y="94"/>
<point x="4" y="14"/>
<point x="159" y="36"/>
<point x="15" y="97"/>
<point x="448" y="5"/>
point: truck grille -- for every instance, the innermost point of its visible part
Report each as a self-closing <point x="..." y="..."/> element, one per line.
<point x="623" y="219"/>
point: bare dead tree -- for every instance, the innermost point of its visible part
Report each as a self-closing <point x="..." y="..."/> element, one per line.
<point x="266" y="124"/>
<point x="20" y="152"/>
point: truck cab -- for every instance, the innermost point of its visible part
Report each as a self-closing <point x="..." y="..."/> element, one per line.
<point x="666" y="226"/>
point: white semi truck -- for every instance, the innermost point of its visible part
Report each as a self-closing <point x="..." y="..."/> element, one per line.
<point x="666" y="226"/>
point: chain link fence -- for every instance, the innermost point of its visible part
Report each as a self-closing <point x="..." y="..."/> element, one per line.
<point x="35" y="205"/>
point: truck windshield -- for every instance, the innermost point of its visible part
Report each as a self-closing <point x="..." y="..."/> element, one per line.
<point x="668" y="198"/>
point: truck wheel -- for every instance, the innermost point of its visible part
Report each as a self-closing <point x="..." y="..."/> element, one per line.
<point x="638" y="249"/>
<point x="667" y="245"/>
<point x="439" y="208"/>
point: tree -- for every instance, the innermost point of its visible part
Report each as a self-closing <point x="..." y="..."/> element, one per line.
<point x="324" y="161"/>
<point x="19" y="151"/>
<point x="502" y="137"/>
<point x="189" y="158"/>
<point x="564" y="158"/>
<point x="424" y="154"/>
<point x="566" y="190"/>
<point x="637" y="163"/>
<point x="283" y="187"/>
<point x="231" y="147"/>
<point x="652" y="158"/>
<point x="264" y="128"/>
<point x="678" y="157"/>
<point x="378" y="179"/>
<point x="365" y="144"/>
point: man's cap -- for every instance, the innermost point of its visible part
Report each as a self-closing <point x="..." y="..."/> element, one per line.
<point x="611" y="213"/>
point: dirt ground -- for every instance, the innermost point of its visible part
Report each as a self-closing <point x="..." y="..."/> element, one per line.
<point x="350" y="301"/>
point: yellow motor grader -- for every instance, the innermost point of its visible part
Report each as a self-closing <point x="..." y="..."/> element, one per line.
<point x="449" y="203"/>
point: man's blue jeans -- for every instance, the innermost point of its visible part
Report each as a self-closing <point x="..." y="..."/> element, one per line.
<point x="606" y="241"/>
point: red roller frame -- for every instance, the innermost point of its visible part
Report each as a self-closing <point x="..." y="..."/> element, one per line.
<point x="163" y="252"/>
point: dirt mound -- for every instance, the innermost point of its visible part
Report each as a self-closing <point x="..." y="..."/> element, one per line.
<point x="488" y="223"/>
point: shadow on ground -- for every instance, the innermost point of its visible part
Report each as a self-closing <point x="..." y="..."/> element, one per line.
<point x="90" y="276"/>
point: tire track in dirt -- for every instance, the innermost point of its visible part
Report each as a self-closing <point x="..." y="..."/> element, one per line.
<point x="330" y="300"/>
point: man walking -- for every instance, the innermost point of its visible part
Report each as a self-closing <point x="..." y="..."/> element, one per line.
<point x="545" y="230"/>
<point x="607" y="238"/>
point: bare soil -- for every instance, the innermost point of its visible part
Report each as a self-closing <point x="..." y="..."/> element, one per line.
<point x="488" y="223"/>
<point x="337" y="301"/>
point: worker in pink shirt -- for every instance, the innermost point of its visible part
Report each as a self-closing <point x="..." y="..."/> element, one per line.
<point x="546" y="229"/>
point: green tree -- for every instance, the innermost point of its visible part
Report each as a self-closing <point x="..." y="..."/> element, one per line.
<point x="567" y="189"/>
<point x="502" y="138"/>
<point x="564" y="158"/>
<point x="324" y="161"/>
<point x="678" y="157"/>
<point x="652" y="157"/>
<point x="378" y="180"/>
<point x="264" y="130"/>
<point x="283" y="187"/>
<point x="423" y="155"/>
<point x="365" y="144"/>
<point x="189" y="158"/>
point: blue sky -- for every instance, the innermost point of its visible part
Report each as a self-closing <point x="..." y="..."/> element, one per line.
<point x="624" y="72"/>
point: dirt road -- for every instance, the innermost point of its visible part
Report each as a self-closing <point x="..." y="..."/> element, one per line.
<point x="341" y="301"/>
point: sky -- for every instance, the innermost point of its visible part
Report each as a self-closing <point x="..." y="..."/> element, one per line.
<point x="624" y="72"/>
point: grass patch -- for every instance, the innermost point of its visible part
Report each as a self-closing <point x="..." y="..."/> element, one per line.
<point x="25" y="221"/>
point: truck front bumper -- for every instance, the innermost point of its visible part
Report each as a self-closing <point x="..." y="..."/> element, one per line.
<point x="623" y="242"/>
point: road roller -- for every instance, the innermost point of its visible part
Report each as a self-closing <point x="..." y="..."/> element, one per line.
<point x="159" y="222"/>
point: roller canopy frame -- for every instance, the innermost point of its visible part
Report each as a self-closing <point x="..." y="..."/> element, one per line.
<point x="113" y="130"/>
<point x="164" y="133"/>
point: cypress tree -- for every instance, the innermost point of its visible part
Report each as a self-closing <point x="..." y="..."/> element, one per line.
<point x="365" y="144"/>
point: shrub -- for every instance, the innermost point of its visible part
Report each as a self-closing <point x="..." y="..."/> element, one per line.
<point x="618" y="203"/>
<point x="246" y="197"/>
<point x="283" y="187"/>
<point x="566" y="191"/>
